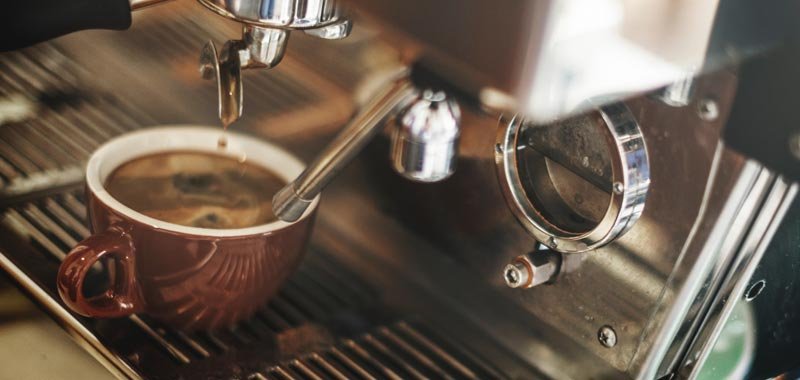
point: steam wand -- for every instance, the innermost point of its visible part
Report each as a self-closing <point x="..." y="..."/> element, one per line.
<point x="424" y="143"/>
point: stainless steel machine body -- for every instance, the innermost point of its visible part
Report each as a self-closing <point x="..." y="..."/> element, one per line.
<point x="545" y="58"/>
<point x="428" y="280"/>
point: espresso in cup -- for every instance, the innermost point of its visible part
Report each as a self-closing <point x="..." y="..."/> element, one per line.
<point x="186" y="226"/>
<point x="196" y="189"/>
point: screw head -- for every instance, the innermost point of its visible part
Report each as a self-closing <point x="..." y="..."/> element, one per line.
<point x="619" y="188"/>
<point x="708" y="109"/>
<point x="607" y="336"/>
<point x="516" y="275"/>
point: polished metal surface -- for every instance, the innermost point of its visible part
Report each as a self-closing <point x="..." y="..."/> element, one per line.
<point x="543" y="206"/>
<point x="544" y="59"/>
<point x="335" y="31"/>
<point x="639" y="284"/>
<point x="284" y="14"/>
<point x="266" y="27"/>
<point x="425" y="138"/>
<point x="259" y="48"/>
<point x="713" y="255"/>
<point x="265" y="47"/>
<point x="771" y="205"/>
<point x="293" y="199"/>
<point x="516" y="275"/>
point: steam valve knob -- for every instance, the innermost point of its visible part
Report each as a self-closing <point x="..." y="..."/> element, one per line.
<point x="425" y="139"/>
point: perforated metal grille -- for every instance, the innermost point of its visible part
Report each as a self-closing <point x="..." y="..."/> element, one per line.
<point x="49" y="125"/>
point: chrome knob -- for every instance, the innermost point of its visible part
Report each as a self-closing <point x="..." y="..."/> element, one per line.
<point x="425" y="140"/>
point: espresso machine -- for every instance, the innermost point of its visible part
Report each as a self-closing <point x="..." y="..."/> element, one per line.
<point x="554" y="189"/>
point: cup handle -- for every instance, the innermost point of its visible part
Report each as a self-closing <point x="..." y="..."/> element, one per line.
<point x="122" y="298"/>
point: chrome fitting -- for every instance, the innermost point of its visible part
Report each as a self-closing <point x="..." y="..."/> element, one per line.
<point x="530" y="183"/>
<point x="679" y="93"/>
<point x="263" y="47"/>
<point x="532" y="269"/>
<point x="425" y="140"/>
<point x="266" y="28"/>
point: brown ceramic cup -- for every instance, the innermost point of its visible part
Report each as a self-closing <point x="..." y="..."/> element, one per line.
<point x="187" y="277"/>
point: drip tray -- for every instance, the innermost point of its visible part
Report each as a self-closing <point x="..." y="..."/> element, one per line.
<point x="326" y="322"/>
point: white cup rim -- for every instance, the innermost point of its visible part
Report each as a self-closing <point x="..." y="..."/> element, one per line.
<point x="124" y="148"/>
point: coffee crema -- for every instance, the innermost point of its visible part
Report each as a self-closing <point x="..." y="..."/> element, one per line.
<point x="196" y="189"/>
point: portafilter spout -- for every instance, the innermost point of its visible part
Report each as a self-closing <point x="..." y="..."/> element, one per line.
<point x="265" y="35"/>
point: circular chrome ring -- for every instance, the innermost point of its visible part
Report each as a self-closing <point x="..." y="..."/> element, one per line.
<point x="630" y="179"/>
<point x="275" y="14"/>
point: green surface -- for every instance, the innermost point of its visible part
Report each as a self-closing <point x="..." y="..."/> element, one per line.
<point x="733" y="352"/>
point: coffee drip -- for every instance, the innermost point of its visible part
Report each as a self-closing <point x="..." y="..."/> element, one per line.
<point x="222" y="142"/>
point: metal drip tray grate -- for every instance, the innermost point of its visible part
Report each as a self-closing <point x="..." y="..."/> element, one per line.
<point x="397" y="351"/>
<point x="326" y="322"/>
<point x="49" y="125"/>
